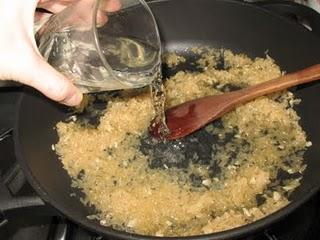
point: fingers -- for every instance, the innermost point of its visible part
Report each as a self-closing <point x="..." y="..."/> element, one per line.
<point x="58" y="6"/>
<point x="81" y="16"/>
<point x="20" y="59"/>
<point x="105" y="7"/>
<point x="45" y="78"/>
<point x="54" y="6"/>
<point x="110" y="5"/>
<point x="51" y="83"/>
<point x="24" y="64"/>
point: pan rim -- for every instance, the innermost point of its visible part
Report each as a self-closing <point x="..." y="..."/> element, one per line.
<point x="93" y="226"/>
<point x="233" y="233"/>
<point x="256" y="7"/>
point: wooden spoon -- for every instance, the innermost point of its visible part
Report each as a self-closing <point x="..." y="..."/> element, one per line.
<point x="190" y="116"/>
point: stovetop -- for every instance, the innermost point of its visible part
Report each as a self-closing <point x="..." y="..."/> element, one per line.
<point x="303" y="224"/>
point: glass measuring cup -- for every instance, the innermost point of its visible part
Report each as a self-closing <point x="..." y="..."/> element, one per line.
<point x="103" y="44"/>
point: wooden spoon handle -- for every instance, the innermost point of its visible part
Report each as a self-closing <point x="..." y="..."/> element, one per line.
<point x="286" y="81"/>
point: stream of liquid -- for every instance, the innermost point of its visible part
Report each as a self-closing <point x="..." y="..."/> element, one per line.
<point x="159" y="98"/>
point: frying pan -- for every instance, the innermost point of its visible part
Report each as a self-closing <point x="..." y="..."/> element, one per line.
<point x="238" y="26"/>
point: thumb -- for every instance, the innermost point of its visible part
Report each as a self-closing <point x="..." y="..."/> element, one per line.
<point x="50" y="82"/>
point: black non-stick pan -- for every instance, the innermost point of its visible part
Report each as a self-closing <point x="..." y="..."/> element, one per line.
<point x="238" y="26"/>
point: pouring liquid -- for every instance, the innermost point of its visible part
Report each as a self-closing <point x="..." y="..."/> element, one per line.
<point x="159" y="97"/>
<point x="133" y="61"/>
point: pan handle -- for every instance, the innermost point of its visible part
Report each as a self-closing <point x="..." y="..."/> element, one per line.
<point x="296" y="12"/>
<point x="13" y="201"/>
<point x="22" y="205"/>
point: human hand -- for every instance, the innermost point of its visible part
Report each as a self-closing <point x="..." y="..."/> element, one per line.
<point x="20" y="59"/>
